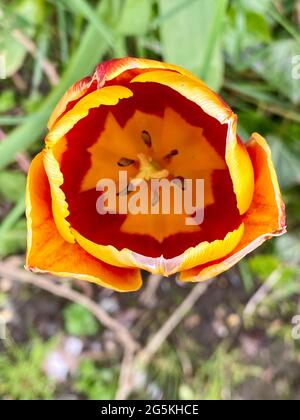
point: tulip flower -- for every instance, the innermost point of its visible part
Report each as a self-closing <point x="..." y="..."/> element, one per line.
<point x="153" y="121"/>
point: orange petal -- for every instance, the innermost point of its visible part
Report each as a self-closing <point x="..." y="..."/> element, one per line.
<point x="240" y="168"/>
<point x="107" y="71"/>
<point x="59" y="205"/>
<point x="237" y="157"/>
<point x="203" y="253"/>
<point x="267" y="191"/>
<point x="159" y="226"/>
<point x="110" y="70"/>
<point x="191" y="88"/>
<point x="106" y="253"/>
<point x="48" y="252"/>
<point x="75" y="92"/>
<point x="116" y="142"/>
<point x="264" y="220"/>
<point x="207" y="252"/>
<point x="107" y="96"/>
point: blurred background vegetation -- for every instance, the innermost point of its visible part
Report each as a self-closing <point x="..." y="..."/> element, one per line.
<point x="236" y="341"/>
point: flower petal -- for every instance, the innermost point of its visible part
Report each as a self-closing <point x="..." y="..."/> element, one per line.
<point x="110" y="70"/>
<point x="107" y="96"/>
<point x="207" y="252"/>
<point x="47" y="250"/>
<point x="106" y="253"/>
<point x="55" y="138"/>
<point x="191" y="88"/>
<point x="75" y="92"/>
<point x="237" y="157"/>
<point x="59" y="205"/>
<point x="240" y="167"/>
<point x="203" y="253"/>
<point x="267" y="191"/>
<point x="107" y="71"/>
<point x="264" y="220"/>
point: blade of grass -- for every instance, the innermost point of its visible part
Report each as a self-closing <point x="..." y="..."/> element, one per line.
<point x="214" y="38"/>
<point x="264" y="103"/>
<point x="12" y="120"/>
<point x="62" y="29"/>
<point x="12" y="217"/>
<point x="83" y="62"/>
<point x="281" y="20"/>
<point x="82" y="7"/>
<point x="38" y="68"/>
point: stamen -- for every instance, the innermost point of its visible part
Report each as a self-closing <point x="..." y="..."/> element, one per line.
<point x="146" y="137"/>
<point x="155" y="198"/>
<point x="171" y="154"/>
<point x="125" y="191"/>
<point x="179" y="180"/>
<point x="149" y="169"/>
<point x="135" y="182"/>
<point x="123" y="162"/>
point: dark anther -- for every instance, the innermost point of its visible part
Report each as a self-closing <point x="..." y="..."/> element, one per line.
<point x="172" y="154"/>
<point x="125" y="162"/>
<point x="130" y="188"/>
<point x="146" y="137"/>
<point x="124" y="192"/>
<point x="155" y="199"/>
<point x="179" y="180"/>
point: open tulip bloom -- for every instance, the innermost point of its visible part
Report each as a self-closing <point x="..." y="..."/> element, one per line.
<point x="143" y="170"/>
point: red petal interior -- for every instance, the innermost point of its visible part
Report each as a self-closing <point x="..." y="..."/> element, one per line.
<point x="221" y="217"/>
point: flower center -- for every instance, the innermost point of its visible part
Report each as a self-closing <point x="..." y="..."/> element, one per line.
<point x="150" y="169"/>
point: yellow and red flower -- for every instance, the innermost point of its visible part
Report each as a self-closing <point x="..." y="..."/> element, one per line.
<point x="129" y="113"/>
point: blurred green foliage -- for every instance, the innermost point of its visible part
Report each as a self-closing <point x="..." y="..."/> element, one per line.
<point x="79" y="321"/>
<point x="96" y="382"/>
<point x="22" y="376"/>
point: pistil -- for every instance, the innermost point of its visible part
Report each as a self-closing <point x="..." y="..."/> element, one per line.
<point x="150" y="169"/>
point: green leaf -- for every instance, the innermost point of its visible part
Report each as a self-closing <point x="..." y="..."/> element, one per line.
<point x="258" y="6"/>
<point x="275" y="65"/>
<point x="13" y="52"/>
<point x="258" y="26"/>
<point x="12" y="185"/>
<point x="192" y="38"/>
<point x="79" y="321"/>
<point x="135" y="17"/>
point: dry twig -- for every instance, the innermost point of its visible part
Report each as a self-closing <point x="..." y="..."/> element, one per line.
<point x="47" y="66"/>
<point x="126" y="378"/>
<point x="146" y="354"/>
<point x="147" y="297"/>
<point x="262" y="293"/>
